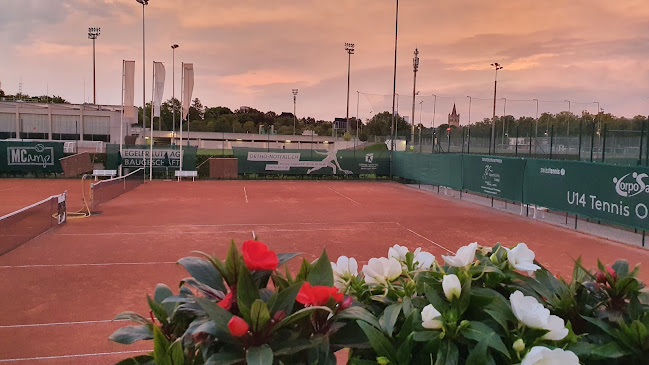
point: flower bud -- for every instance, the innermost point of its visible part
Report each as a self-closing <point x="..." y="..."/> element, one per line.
<point x="601" y="277"/>
<point x="494" y="259"/>
<point x="346" y="303"/>
<point x="279" y="315"/>
<point x="611" y="272"/>
<point x="464" y="323"/>
<point x="238" y="326"/>
<point x="519" y="345"/>
<point x="382" y="360"/>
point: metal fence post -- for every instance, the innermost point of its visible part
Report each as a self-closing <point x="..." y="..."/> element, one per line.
<point x="463" y="128"/>
<point x="551" y="139"/>
<point x="604" y="143"/>
<point x="592" y="141"/>
<point x="641" y="141"/>
<point x="530" y="139"/>
<point x="468" y="144"/>
<point x="516" y="153"/>
<point x="581" y="124"/>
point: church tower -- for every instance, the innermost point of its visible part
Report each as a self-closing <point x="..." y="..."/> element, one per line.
<point x="454" y="118"/>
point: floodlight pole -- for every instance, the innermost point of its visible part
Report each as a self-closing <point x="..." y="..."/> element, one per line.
<point x="93" y="33"/>
<point x="415" y="68"/>
<point x="349" y="47"/>
<point x="492" y="140"/>
<point x="173" y="92"/>
<point x="143" y="2"/>
<point x="569" y="115"/>
<point x="394" y="85"/>
<point x="294" y="106"/>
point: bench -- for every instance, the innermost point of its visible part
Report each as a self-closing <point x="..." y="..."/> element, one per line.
<point x="110" y="173"/>
<point x="182" y="173"/>
<point x="535" y="208"/>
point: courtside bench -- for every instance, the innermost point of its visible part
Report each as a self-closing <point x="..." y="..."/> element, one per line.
<point x="182" y="173"/>
<point x="109" y="173"/>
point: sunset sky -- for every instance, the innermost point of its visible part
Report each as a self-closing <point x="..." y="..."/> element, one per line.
<point x="253" y="52"/>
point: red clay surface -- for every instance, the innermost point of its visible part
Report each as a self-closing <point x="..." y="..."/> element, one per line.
<point x="19" y="193"/>
<point x="90" y="269"/>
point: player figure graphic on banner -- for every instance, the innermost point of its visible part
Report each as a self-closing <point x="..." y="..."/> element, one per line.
<point x="331" y="160"/>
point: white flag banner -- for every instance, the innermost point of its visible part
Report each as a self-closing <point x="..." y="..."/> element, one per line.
<point x="129" y="89"/>
<point x="188" y="87"/>
<point x="158" y="86"/>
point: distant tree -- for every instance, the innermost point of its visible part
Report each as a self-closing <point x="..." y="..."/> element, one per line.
<point x="213" y="113"/>
<point x="249" y="127"/>
<point x="196" y="110"/>
<point x="381" y="124"/>
<point x="2" y="93"/>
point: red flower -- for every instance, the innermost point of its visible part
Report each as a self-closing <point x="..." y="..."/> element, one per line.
<point x="317" y="295"/>
<point x="611" y="272"/>
<point x="226" y="302"/>
<point x="238" y="327"/>
<point x="257" y="256"/>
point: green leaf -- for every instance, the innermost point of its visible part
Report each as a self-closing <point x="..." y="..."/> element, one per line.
<point x="299" y="315"/>
<point x="478" y="331"/>
<point x="404" y="352"/>
<point x="610" y="350"/>
<point x="160" y="346"/>
<point x="217" y="314"/>
<point x="161" y="293"/>
<point x="425" y="336"/>
<point x="379" y="343"/>
<point x="232" y="264"/>
<point x="259" y="355"/>
<point x="224" y="358"/>
<point x="389" y="318"/>
<point x="247" y="292"/>
<point x="321" y="273"/>
<point x="259" y="315"/>
<point x="359" y="313"/>
<point x="621" y="267"/>
<point x="203" y="271"/>
<point x="448" y="354"/>
<point x="131" y="334"/>
<point x="601" y="325"/>
<point x="478" y="355"/>
<point x="284" y="257"/>
<point x="285" y="299"/>
<point x="433" y="298"/>
<point x="159" y="312"/>
<point x="176" y="352"/>
<point x="131" y="316"/>
<point x="138" y="360"/>
<point x="303" y="274"/>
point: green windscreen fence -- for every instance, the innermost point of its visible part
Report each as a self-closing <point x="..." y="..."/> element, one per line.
<point x="500" y="177"/>
<point x="164" y="157"/>
<point x="17" y="156"/>
<point x="436" y="169"/>
<point x="611" y="193"/>
<point x="312" y="162"/>
<point x="616" y="194"/>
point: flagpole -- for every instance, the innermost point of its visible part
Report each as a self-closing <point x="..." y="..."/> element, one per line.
<point x="182" y="110"/>
<point x="152" y="112"/>
<point x="121" y="121"/>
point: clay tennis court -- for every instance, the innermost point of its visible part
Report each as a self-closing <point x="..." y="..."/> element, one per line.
<point x="60" y="290"/>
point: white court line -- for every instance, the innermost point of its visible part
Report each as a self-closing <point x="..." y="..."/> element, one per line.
<point x="203" y="232"/>
<point x="73" y="356"/>
<point x="15" y="187"/>
<point x="245" y="194"/>
<point x="344" y="196"/>
<point x="259" y="224"/>
<point x="75" y="265"/>
<point x="429" y="240"/>
<point x="60" y="323"/>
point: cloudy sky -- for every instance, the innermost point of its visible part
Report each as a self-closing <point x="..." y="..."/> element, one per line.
<point x="253" y="52"/>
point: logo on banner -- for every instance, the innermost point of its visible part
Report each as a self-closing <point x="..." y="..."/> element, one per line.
<point x="631" y="187"/>
<point x="369" y="157"/>
<point x="553" y="171"/>
<point x="285" y="161"/>
<point x="38" y="155"/>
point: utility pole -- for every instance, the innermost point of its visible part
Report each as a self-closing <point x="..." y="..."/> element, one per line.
<point x="173" y="91"/>
<point x="492" y="141"/>
<point x="93" y="33"/>
<point x="415" y="68"/>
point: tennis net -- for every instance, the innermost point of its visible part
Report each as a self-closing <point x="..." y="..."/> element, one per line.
<point x="109" y="189"/>
<point x="24" y="224"/>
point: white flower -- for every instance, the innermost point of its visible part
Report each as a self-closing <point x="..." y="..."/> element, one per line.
<point x="557" y="328"/>
<point x="521" y="258"/>
<point x="428" y="315"/>
<point x="464" y="256"/>
<point x="398" y="252"/>
<point x="424" y="259"/>
<point x="381" y="270"/>
<point x="344" y="269"/>
<point x="529" y="311"/>
<point x="452" y="287"/>
<point x="540" y="355"/>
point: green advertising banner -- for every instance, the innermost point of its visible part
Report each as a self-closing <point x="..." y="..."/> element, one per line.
<point x="435" y="169"/>
<point x="617" y="194"/>
<point x="138" y="156"/>
<point x="308" y="162"/>
<point x="500" y="177"/>
<point x="16" y="156"/>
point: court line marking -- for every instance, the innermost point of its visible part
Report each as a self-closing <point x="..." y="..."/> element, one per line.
<point x="427" y="239"/>
<point x="260" y="224"/>
<point x="15" y="187"/>
<point x="203" y="232"/>
<point x="344" y="196"/>
<point x="73" y="356"/>
<point x="96" y="264"/>
<point x="245" y="194"/>
<point x="60" y="323"/>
